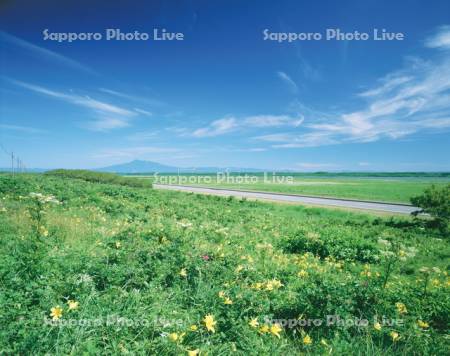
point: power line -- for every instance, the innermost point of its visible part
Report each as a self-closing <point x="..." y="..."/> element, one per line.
<point x="20" y="166"/>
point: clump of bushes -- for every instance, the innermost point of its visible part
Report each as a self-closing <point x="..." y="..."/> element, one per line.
<point x="436" y="202"/>
<point x="331" y="245"/>
<point x="99" y="177"/>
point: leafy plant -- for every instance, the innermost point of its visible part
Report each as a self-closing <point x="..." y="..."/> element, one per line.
<point x="436" y="202"/>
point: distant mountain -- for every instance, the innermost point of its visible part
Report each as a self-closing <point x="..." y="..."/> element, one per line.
<point x="139" y="166"/>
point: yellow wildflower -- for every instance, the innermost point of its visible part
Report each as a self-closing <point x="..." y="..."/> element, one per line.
<point x="277" y="283"/>
<point x="193" y="328"/>
<point x="210" y="323"/>
<point x="56" y="312"/>
<point x="221" y="294"/>
<point x="435" y="282"/>
<point x="227" y="301"/>
<point x="173" y="336"/>
<point x="183" y="272"/>
<point x="377" y="326"/>
<point x="275" y="330"/>
<point x="307" y="340"/>
<point x="239" y="268"/>
<point x="44" y="231"/>
<point x="273" y="284"/>
<point x="193" y="352"/>
<point x="257" y="285"/>
<point x="422" y="324"/>
<point x="401" y="308"/>
<point x="264" y="329"/>
<point x="302" y="273"/>
<point x="72" y="304"/>
<point x="253" y="323"/>
<point x="394" y="335"/>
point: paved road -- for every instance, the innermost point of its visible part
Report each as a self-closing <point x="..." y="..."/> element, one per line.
<point x="344" y="203"/>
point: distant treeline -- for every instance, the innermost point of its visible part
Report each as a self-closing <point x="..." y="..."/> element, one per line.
<point x="379" y="174"/>
<point x="99" y="177"/>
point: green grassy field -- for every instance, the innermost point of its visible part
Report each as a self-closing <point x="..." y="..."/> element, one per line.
<point x="97" y="268"/>
<point x="388" y="189"/>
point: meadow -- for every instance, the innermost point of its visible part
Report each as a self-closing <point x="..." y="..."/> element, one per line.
<point x="101" y="267"/>
<point x="391" y="187"/>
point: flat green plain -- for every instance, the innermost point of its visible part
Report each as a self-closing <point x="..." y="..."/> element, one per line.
<point x="386" y="189"/>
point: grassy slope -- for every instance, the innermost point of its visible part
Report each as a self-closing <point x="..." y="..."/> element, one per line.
<point x="119" y="250"/>
<point x="389" y="190"/>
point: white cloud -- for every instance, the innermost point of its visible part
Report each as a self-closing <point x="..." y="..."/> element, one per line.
<point x="288" y="81"/>
<point x="106" y="124"/>
<point x="140" y="99"/>
<point x="230" y="124"/>
<point x="40" y="52"/>
<point x="109" y="116"/>
<point x="143" y="112"/>
<point x="271" y="121"/>
<point x="364" y="164"/>
<point x="278" y="137"/>
<point x="86" y="102"/>
<point x="257" y="149"/>
<point x="441" y="39"/>
<point x="142" y="136"/>
<point x="388" y="83"/>
<point x="292" y="140"/>
<point x="413" y="99"/>
<point x="217" y="127"/>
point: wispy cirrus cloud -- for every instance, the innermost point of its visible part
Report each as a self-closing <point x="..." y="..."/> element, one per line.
<point x="230" y="124"/>
<point x="43" y="53"/>
<point x="441" y="39"/>
<point x="288" y="81"/>
<point x="272" y="121"/>
<point x="414" y="99"/>
<point x="108" y="116"/>
<point x="84" y="101"/>
<point x="106" y="124"/>
<point x="217" y="127"/>
<point x="143" y="112"/>
<point x="135" y="98"/>
<point x="293" y="140"/>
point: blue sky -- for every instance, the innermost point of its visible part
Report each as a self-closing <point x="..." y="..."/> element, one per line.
<point x="224" y="96"/>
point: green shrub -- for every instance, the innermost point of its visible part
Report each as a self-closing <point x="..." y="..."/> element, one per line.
<point x="99" y="177"/>
<point x="436" y="202"/>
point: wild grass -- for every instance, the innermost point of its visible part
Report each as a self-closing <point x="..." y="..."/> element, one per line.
<point x="113" y="269"/>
